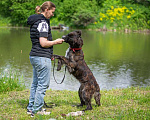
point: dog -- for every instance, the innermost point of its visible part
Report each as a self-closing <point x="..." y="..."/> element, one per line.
<point x="76" y="65"/>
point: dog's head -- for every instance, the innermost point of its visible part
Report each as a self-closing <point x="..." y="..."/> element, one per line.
<point x="74" y="39"/>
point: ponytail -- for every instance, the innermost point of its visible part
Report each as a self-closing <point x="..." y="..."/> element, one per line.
<point x="37" y="9"/>
<point x="46" y="5"/>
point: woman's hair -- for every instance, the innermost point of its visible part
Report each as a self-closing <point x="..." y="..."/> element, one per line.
<point x="46" y="5"/>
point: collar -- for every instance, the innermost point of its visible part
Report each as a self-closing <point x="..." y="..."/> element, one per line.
<point x="74" y="49"/>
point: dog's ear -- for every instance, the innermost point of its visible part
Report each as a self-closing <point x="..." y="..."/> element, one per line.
<point x="71" y="34"/>
<point x="79" y="32"/>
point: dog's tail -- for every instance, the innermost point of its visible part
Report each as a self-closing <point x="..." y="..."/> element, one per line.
<point x="97" y="97"/>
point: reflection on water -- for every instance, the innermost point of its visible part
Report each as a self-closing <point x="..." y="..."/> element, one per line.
<point x="117" y="60"/>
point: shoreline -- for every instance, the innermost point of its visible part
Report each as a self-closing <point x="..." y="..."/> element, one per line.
<point x="98" y="30"/>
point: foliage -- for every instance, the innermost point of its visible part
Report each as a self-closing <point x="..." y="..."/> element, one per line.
<point x="78" y="13"/>
<point x="4" y="5"/>
<point x="83" y="18"/>
<point x="127" y="16"/>
<point x="18" y="10"/>
<point x="83" y="14"/>
<point x="124" y="104"/>
<point x="67" y="9"/>
<point x="142" y="2"/>
<point x="10" y="81"/>
<point x="100" y="2"/>
<point x="4" y="21"/>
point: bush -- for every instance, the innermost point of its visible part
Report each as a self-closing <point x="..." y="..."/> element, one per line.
<point x="67" y="9"/>
<point x="18" y="10"/>
<point x="83" y="18"/>
<point x="78" y="13"/>
<point x="116" y="15"/>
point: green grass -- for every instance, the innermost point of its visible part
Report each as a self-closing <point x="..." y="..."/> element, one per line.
<point x="117" y="104"/>
<point x="10" y="81"/>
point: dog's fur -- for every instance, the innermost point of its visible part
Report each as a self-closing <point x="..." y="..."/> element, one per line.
<point x="77" y="66"/>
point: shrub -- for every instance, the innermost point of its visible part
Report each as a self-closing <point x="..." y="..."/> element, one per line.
<point x="18" y="10"/>
<point x="115" y="14"/>
<point x="83" y="18"/>
<point x="77" y="13"/>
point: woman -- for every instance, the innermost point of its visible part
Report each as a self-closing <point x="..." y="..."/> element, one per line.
<point x="40" y="55"/>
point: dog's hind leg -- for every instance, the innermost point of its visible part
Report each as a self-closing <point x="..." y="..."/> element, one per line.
<point x="97" y="97"/>
<point x="87" y="98"/>
<point x="80" y="96"/>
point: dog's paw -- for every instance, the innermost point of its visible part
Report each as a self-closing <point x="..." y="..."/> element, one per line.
<point x="80" y="105"/>
<point x="56" y="56"/>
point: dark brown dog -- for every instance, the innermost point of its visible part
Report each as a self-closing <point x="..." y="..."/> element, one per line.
<point x="76" y="65"/>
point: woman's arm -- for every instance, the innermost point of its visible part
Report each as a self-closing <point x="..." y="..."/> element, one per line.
<point x="46" y="44"/>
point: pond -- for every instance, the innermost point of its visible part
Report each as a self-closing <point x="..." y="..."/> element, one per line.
<point x="117" y="59"/>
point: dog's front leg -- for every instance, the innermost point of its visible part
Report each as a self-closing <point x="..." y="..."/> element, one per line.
<point x="62" y="58"/>
<point x="70" y="63"/>
<point x="56" y="56"/>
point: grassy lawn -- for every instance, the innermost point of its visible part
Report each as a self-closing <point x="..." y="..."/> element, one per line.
<point x="117" y="104"/>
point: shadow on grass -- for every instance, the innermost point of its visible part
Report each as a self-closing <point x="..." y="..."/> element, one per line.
<point x="23" y="103"/>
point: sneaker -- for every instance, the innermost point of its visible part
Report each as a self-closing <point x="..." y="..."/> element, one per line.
<point x="29" y="112"/>
<point x="43" y="112"/>
<point x="32" y="114"/>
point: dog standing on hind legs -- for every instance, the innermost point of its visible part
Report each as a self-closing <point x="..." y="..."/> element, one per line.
<point x="77" y="66"/>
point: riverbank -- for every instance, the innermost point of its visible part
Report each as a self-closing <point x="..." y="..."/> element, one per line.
<point x="5" y="23"/>
<point x="127" y="104"/>
<point x="98" y="30"/>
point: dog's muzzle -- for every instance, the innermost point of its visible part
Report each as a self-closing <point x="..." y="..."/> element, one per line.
<point x="64" y="37"/>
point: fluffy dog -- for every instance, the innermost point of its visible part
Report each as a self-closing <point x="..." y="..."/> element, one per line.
<point x="77" y="66"/>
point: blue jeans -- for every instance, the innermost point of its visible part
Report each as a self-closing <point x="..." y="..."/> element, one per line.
<point x="41" y="81"/>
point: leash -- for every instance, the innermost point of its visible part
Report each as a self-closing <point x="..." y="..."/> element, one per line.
<point x="54" y="74"/>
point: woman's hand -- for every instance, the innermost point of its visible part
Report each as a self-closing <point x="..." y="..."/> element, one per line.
<point x="52" y="58"/>
<point x="59" y="41"/>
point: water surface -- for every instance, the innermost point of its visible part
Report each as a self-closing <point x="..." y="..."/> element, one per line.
<point x="117" y="60"/>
